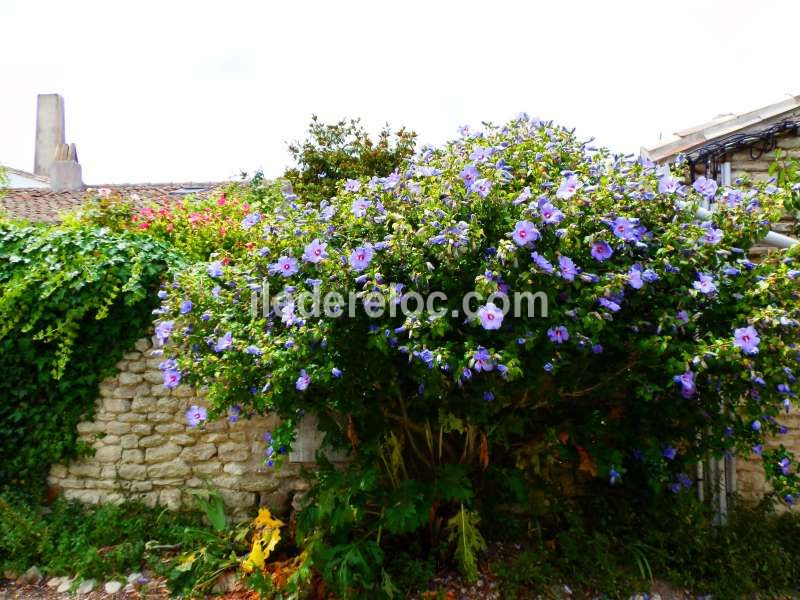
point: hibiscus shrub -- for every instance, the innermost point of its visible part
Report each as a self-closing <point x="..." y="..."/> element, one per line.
<point x="654" y="342"/>
<point x="73" y="299"/>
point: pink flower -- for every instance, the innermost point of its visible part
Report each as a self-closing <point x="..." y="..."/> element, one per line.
<point x="491" y="316"/>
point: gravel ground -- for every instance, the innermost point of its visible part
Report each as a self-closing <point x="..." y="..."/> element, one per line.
<point x="147" y="587"/>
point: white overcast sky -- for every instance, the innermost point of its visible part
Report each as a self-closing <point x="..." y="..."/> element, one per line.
<point x="182" y="91"/>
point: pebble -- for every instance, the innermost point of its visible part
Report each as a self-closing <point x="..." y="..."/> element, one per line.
<point x="30" y="577"/>
<point x="86" y="586"/>
<point x="56" y="581"/>
<point x="112" y="587"/>
<point x="134" y="577"/>
<point x="65" y="585"/>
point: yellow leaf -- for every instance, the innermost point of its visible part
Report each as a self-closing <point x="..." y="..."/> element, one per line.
<point x="274" y="538"/>
<point x="255" y="560"/>
<point x="265" y="519"/>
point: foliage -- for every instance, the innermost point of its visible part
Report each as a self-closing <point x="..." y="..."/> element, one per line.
<point x="785" y="168"/>
<point x="334" y="152"/>
<point x="618" y="548"/>
<point x="195" y="227"/>
<point x="661" y="343"/>
<point x="468" y="541"/>
<point x="68" y="538"/>
<point x="72" y="300"/>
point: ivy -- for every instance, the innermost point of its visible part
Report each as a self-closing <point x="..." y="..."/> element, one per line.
<point x="73" y="299"/>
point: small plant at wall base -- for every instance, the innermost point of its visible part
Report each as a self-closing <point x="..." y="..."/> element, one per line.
<point x="663" y="344"/>
<point x="72" y="300"/>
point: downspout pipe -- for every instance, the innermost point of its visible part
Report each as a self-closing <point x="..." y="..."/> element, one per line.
<point x="773" y="238"/>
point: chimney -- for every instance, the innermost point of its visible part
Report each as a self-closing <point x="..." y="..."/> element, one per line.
<point x="65" y="172"/>
<point x="49" y="131"/>
<point x="54" y="158"/>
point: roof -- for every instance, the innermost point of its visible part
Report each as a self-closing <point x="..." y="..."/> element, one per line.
<point x="686" y="141"/>
<point x="43" y="204"/>
<point x="17" y="178"/>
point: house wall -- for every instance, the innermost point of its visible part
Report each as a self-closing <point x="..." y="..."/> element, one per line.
<point x="145" y="450"/>
<point x="750" y="482"/>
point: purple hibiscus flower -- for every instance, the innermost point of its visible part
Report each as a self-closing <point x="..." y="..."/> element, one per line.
<point x="568" y="187"/>
<point x="224" y="343"/>
<point x="558" y="335"/>
<point x="163" y="331"/>
<point x="568" y="268"/>
<point x="624" y="229"/>
<point x="315" y="252"/>
<point x="712" y="235"/>
<point x="251" y="220"/>
<point x="746" y="338"/>
<point x="482" y="187"/>
<point x="482" y="360"/>
<point x="285" y="265"/>
<point x="541" y="262"/>
<point x="215" y="269"/>
<point x="352" y="185"/>
<point x="609" y="304"/>
<point x="490" y="315"/>
<point x="635" y="278"/>
<point x="196" y="415"/>
<point x="705" y="284"/>
<point x="303" y="381"/>
<point x="360" y="206"/>
<point x="480" y="154"/>
<point x="470" y="175"/>
<point x="668" y="185"/>
<point x="706" y="187"/>
<point x="601" y="251"/>
<point x="550" y="214"/>
<point x="524" y="233"/>
<point x="686" y="381"/>
<point x="186" y="307"/>
<point x="171" y="379"/>
<point x="361" y="257"/>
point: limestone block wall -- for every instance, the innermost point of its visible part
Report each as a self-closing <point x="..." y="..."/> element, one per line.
<point x="750" y="481"/>
<point x="145" y="450"/>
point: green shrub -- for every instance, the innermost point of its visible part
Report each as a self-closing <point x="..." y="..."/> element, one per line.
<point x="662" y="344"/>
<point x="334" y="152"/>
<point x="72" y="301"/>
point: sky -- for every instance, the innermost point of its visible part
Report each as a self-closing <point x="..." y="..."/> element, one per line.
<point x="200" y="91"/>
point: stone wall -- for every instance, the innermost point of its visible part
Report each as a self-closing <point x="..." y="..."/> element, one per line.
<point x="145" y="450"/>
<point x="750" y="481"/>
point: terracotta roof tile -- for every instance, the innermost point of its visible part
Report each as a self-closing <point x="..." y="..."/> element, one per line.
<point x="42" y="204"/>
